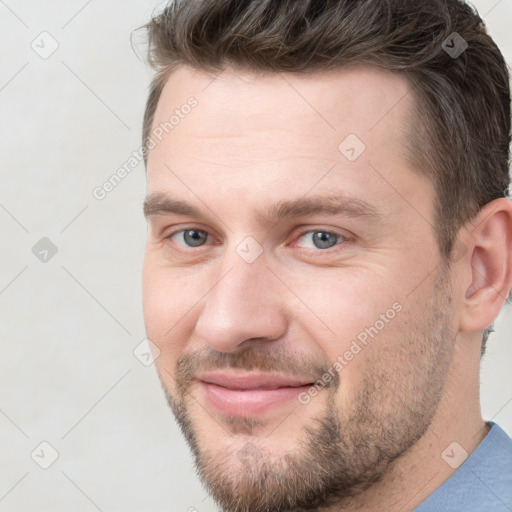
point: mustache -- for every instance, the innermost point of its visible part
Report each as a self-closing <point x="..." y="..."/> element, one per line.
<point x="264" y="360"/>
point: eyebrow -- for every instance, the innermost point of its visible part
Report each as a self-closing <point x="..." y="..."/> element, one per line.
<point x="161" y="204"/>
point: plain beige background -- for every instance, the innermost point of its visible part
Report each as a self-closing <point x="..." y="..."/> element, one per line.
<point x="72" y="94"/>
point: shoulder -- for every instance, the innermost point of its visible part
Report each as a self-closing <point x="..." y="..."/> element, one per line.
<point x="483" y="482"/>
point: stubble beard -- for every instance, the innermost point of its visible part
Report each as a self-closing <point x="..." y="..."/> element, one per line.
<point x="341" y="453"/>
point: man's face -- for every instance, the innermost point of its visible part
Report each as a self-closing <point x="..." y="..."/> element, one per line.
<point x="304" y="255"/>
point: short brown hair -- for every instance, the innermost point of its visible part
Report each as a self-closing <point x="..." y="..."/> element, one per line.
<point x="461" y="135"/>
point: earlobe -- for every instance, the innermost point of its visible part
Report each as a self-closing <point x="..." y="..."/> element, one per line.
<point x="490" y="258"/>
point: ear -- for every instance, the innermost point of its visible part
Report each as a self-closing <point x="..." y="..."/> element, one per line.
<point x="488" y="261"/>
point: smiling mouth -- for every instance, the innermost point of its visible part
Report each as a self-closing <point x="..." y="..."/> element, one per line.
<point x="249" y="395"/>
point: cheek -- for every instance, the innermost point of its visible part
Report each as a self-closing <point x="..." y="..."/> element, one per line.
<point x="364" y="316"/>
<point x="347" y="302"/>
<point x="169" y="301"/>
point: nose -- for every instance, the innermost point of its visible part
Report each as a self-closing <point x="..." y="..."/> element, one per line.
<point x="244" y="306"/>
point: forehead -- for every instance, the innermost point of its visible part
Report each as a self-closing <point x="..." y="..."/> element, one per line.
<point x="259" y="133"/>
<point x="358" y="99"/>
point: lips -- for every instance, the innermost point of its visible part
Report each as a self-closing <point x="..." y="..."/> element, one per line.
<point x="251" y="381"/>
<point x="249" y="394"/>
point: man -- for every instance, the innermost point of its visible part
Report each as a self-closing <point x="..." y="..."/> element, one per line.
<point x="329" y="243"/>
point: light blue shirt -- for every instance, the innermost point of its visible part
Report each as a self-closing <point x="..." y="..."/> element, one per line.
<point x="482" y="483"/>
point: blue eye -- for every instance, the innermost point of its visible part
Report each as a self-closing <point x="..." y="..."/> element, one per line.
<point x="321" y="239"/>
<point x="192" y="237"/>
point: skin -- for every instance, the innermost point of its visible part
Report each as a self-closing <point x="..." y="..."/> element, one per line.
<point x="374" y="437"/>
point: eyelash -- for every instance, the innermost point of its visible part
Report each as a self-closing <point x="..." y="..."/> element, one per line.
<point x="342" y="238"/>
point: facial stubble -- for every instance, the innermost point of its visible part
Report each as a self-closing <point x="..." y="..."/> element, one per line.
<point x="343" y="450"/>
